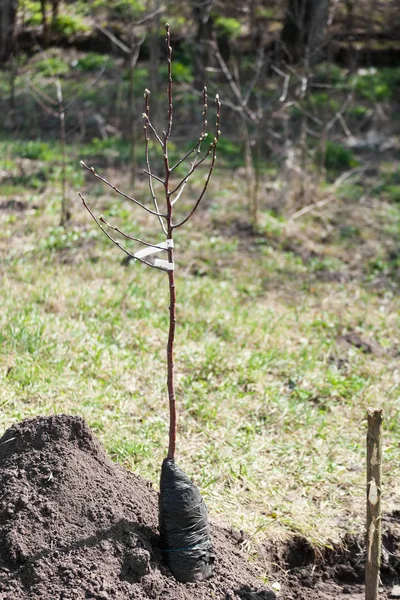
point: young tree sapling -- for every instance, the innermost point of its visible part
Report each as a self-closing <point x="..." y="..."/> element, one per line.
<point x="184" y="533"/>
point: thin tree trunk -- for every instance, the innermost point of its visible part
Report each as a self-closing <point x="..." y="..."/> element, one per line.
<point x="304" y="29"/>
<point x="374" y="522"/>
<point x="13" y="77"/>
<point x="250" y="175"/>
<point x="45" y="28"/>
<point x="65" y="214"/>
<point x="201" y="14"/>
<point x="54" y="10"/>
<point x="133" y="58"/>
<point x="132" y="114"/>
<point x="171" y="274"/>
<point x="170" y="355"/>
<point x="155" y="60"/>
<point x="8" y="13"/>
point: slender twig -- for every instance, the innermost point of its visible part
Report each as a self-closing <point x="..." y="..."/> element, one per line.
<point x="213" y="159"/>
<point x="88" y="86"/>
<point x="153" y="129"/>
<point x="181" y="160"/>
<point x="198" y="148"/>
<point x="258" y="71"/>
<point x="153" y="176"/>
<point x="146" y="140"/>
<point x="113" y="240"/>
<point x="126" y="235"/>
<point x="203" y="134"/>
<point x="91" y="170"/>
<point x="119" y="43"/>
<point x="234" y="87"/>
<point x="42" y="93"/>
<point x="193" y="167"/>
<point x="169" y="63"/>
<point x="47" y="103"/>
<point x="285" y="88"/>
<point x="61" y="116"/>
<point x="150" y="16"/>
<point x="42" y="104"/>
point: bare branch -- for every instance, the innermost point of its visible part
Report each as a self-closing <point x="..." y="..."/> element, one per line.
<point x="126" y="235"/>
<point x="153" y="176"/>
<point x="150" y="16"/>
<point x="95" y="80"/>
<point x="339" y="113"/>
<point x="311" y="207"/>
<point x="193" y="167"/>
<point x="42" y="103"/>
<point x="285" y="89"/>
<point x="259" y="66"/>
<point x="169" y="62"/>
<point x="235" y="89"/>
<point x="146" y="116"/>
<point x="41" y="93"/>
<point x="91" y="170"/>
<point x="153" y="129"/>
<point x="214" y="156"/>
<point x="194" y="163"/>
<point x="202" y="137"/>
<point x="180" y="161"/>
<point x="114" y="39"/>
<point x="114" y="241"/>
<point x="146" y="139"/>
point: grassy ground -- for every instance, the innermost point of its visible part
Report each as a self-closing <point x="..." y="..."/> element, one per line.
<point x="285" y="335"/>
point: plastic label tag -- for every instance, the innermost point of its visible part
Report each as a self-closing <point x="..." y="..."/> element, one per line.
<point x="164" y="264"/>
<point x="153" y="249"/>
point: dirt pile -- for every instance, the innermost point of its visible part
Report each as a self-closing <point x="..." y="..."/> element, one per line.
<point x="73" y="525"/>
<point x="337" y="572"/>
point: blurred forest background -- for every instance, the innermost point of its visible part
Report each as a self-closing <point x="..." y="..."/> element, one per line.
<point x="308" y="87"/>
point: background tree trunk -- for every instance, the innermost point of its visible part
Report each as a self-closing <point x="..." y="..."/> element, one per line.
<point x="303" y="33"/>
<point x="55" y="5"/>
<point x="201" y="14"/>
<point x="45" y="29"/>
<point x="8" y="13"/>
<point x="155" y="40"/>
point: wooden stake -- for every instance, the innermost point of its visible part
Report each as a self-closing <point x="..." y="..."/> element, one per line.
<point x="374" y="521"/>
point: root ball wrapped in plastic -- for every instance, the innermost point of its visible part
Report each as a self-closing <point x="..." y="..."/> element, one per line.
<point x="184" y="531"/>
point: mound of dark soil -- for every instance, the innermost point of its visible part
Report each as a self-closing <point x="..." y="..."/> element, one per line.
<point x="73" y="525"/>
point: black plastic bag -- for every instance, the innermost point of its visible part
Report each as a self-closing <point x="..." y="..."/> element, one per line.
<point x="184" y="532"/>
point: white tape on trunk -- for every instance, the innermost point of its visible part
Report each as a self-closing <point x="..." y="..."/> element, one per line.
<point x="153" y="249"/>
<point x="164" y="264"/>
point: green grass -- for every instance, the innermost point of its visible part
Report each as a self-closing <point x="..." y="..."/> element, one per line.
<point x="377" y="85"/>
<point x="271" y="398"/>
